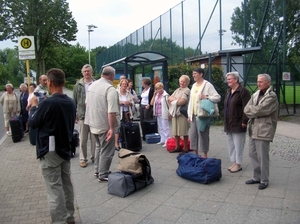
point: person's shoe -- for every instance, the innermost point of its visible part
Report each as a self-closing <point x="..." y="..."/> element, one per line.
<point x="103" y="179"/>
<point x="96" y="174"/>
<point x="262" y="186"/>
<point x="93" y="159"/>
<point x="175" y="150"/>
<point x="82" y="164"/>
<point x="117" y="148"/>
<point x="8" y="133"/>
<point x="159" y="143"/>
<point x="252" y="182"/>
<point x="229" y="168"/>
<point x="164" y="145"/>
<point x="26" y="131"/>
<point x="235" y="169"/>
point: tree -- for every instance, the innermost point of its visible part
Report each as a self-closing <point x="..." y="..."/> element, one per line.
<point x="11" y="69"/>
<point x="50" y="22"/>
<point x="265" y="29"/>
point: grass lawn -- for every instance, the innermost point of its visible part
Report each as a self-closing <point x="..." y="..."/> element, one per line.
<point x="288" y="92"/>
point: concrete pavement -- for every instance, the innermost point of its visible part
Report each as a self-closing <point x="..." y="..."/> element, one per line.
<point x="170" y="199"/>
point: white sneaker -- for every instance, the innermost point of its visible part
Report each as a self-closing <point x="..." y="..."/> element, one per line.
<point x="8" y="133"/>
<point x="160" y="143"/>
<point x="164" y="146"/>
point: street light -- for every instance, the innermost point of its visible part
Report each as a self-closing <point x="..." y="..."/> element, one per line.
<point x="90" y="29"/>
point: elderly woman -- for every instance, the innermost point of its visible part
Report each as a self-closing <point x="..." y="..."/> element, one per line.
<point x="180" y="125"/>
<point x="235" y="120"/>
<point x="199" y="131"/>
<point x="23" y="104"/>
<point x="11" y="105"/>
<point x="126" y="102"/>
<point x="159" y="102"/>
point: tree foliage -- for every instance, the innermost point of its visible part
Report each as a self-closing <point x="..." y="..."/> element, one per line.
<point x="265" y="29"/>
<point x="50" y="22"/>
<point x="11" y="69"/>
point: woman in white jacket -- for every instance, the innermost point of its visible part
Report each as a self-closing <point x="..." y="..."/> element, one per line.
<point x="201" y="89"/>
<point x="159" y="102"/>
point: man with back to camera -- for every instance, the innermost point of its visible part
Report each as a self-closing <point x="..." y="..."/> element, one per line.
<point x="262" y="111"/>
<point x="79" y="96"/>
<point x="103" y="117"/>
<point x="55" y="117"/>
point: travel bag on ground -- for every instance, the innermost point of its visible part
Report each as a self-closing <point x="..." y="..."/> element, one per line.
<point x="152" y="138"/>
<point x="16" y="127"/>
<point x="192" y="167"/>
<point x="134" y="165"/>
<point x="75" y="142"/>
<point x="171" y="144"/>
<point x="149" y="126"/>
<point x="131" y="136"/>
<point x="120" y="184"/>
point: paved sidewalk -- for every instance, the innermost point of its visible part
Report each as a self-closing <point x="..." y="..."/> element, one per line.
<point x="170" y="199"/>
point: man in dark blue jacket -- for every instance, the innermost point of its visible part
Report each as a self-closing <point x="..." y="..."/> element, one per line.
<point x="55" y="117"/>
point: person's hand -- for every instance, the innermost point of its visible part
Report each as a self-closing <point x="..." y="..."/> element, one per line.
<point x="109" y="135"/>
<point x="202" y="96"/>
<point x="244" y="125"/>
<point x="76" y="120"/>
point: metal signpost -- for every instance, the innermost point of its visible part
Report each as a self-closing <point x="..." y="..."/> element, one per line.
<point x="26" y="52"/>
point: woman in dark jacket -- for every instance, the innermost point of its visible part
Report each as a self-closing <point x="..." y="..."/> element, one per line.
<point x="235" y="121"/>
<point x="23" y="103"/>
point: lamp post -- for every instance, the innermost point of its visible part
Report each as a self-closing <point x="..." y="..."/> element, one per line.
<point x="90" y="29"/>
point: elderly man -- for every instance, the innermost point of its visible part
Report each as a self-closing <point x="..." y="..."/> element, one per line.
<point x="42" y="87"/>
<point x="262" y="111"/>
<point x="79" y="95"/>
<point x="102" y="115"/>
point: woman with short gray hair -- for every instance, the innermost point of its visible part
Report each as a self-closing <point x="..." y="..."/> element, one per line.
<point x="235" y="120"/>
<point x="11" y="105"/>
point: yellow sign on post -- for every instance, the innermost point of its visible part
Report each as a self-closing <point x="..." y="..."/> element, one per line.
<point x="26" y="52"/>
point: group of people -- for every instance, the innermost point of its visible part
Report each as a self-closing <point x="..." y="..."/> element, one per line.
<point x="257" y="113"/>
<point x="98" y="109"/>
<point x="19" y="104"/>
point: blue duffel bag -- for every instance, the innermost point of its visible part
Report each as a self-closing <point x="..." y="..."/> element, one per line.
<point x="192" y="167"/>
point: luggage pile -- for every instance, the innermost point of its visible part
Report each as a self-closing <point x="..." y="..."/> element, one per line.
<point x="134" y="174"/>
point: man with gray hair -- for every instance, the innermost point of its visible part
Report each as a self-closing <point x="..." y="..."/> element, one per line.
<point x="262" y="111"/>
<point x="79" y="95"/>
<point x="102" y="115"/>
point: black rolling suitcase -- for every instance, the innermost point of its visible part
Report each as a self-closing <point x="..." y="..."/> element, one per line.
<point x="16" y="127"/>
<point x="75" y="142"/>
<point x="149" y="126"/>
<point x="131" y="136"/>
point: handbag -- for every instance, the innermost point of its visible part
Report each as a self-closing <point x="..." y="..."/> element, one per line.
<point x="130" y="161"/>
<point x="208" y="108"/>
<point x="183" y="110"/>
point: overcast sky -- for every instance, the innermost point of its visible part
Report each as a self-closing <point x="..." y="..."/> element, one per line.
<point x="116" y="19"/>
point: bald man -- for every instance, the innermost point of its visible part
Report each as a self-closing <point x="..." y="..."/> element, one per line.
<point x="42" y="87"/>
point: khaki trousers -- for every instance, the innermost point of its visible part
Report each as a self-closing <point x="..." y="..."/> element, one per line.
<point x="57" y="176"/>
